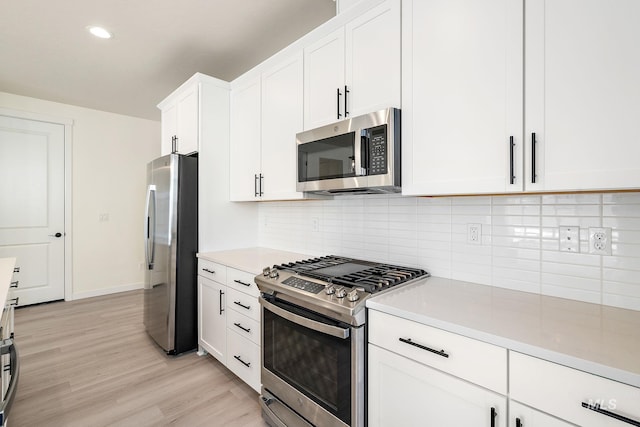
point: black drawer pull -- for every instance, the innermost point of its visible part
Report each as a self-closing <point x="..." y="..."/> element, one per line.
<point x="14" y="284"/>
<point x="16" y="270"/>
<point x="239" y="359"/>
<point x="221" y="305"/>
<point x="597" y="408"/>
<point x="494" y="414"/>
<point x="519" y="423"/>
<point x="242" y="283"/>
<point x="248" y="307"/>
<point x="533" y="157"/>
<point x="15" y="301"/>
<point x="209" y="271"/>
<point x="242" y="327"/>
<point x="423" y="347"/>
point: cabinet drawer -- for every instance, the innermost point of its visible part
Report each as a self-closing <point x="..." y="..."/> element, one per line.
<point x="244" y="304"/>
<point x="563" y="392"/>
<point x="243" y="359"/>
<point x="212" y="270"/>
<point x="475" y="361"/>
<point x="244" y="326"/>
<point x="242" y="281"/>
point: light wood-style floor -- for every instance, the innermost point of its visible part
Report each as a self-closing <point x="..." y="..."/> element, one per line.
<point x="90" y="363"/>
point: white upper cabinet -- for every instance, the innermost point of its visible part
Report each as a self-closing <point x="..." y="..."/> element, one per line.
<point x="245" y="141"/>
<point x="582" y="94"/>
<point x="266" y="114"/>
<point x="180" y="119"/>
<point x="324" y="80"/>
<point x="461" y="96"/>
<point x="355" y="69"/>
<point x="464" y="77"/>
<point x="281" y="119"/>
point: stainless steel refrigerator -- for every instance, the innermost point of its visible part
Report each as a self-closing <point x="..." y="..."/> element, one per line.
<point x="171" y="242"/>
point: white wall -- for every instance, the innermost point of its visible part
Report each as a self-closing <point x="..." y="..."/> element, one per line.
<point x="520" y="239"/>
<point x="110" y="153"/>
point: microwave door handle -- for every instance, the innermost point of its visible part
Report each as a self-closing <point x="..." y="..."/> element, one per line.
<point x="364" y="152"/>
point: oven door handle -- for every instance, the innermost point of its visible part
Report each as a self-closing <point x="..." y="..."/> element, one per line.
<point x="335" y="331"/>
<point x="8" y="346"/>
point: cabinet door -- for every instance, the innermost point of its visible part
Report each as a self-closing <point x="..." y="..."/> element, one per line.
<point x="169" y="128"/>
<point x="324" y="80"/>
<point x="461" y="96"/>
<point x="212" y="328"/>
<point x="188" y="121"/>
<point x="582" y="94"/>
<point x="181" y="119"/>
<point x="245" y="142"/>
<point x="281" y="119"/>
<point x="406" y="393"/>
<point x="523" y="416"/>
<point x="373" y="60"/>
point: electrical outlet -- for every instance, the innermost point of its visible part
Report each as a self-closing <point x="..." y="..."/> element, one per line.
<point x="315" y="224"/>
<point x="474" y="234"/>
<point x="569" y="239"/>
<point x="600" y="240"/>
<point x="103" y="217"/>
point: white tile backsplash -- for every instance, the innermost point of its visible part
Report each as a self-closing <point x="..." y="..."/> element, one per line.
<point x="520" y="239"/>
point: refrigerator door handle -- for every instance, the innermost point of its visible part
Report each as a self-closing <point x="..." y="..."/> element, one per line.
<point x="150" y="227"/>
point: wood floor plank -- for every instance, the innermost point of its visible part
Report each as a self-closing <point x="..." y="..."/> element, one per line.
<point x="91" y="363"/>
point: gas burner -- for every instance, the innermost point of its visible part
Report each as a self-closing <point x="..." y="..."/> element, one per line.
<point x="370" y="277"/>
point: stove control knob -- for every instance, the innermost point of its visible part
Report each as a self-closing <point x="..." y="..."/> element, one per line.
<point x="266" y="271"/>
<point x="274" y="273"/>
<point x="330" y="290"/>
<point x="341" y="293"/>
<point x="353" y="295"/>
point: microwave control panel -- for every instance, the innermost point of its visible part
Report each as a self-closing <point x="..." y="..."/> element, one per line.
<point x="378" y="150"/>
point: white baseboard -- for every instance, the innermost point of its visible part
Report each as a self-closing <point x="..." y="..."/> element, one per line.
<point x="106" y="291"/>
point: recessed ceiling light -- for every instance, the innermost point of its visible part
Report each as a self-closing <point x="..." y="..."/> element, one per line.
<point x="99" y="32"/>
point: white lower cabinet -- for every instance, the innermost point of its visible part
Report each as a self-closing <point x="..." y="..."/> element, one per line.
<point x="569" y="394"/>
<point x="212" y="329"/>
<point x="405" y="393"/>
<point x="229" y="319"/>
<point x="523" y="416"/>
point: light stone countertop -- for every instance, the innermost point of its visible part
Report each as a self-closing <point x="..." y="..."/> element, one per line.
<point x="6" y="274"/>
<point x="594" y="338"/>
<point x="252" y="260"/>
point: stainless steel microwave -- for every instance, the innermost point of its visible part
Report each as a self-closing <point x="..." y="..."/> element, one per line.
<point x="356" y="155"/>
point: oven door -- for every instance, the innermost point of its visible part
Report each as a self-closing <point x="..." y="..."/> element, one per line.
<point x="312" y="364"/>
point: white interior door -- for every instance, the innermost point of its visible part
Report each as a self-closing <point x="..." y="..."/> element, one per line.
<point x="32" y="206"/>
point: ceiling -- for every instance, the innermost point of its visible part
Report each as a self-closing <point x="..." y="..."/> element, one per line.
<point x="47" y="53"/>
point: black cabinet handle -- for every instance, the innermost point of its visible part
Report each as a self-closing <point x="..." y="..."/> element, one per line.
<point x="597" y="408"/>
<point x="518" y="423"/>
<point x="261" y="193"/>
<point x="533" y="158"/>
<point x="255" y="185"/>
<point x="14" y="284"/>
<point x="16" y="270"/>
<point x="209" y="271"/>
<point x="423" y="347"/>
<point x="346" y="91"/>
<point x="512" y="177"/>
<point x="247" y="307"/>
<point x="15" y="301"/>
<point x="242" y="283"/>
<point x="242" y="327"/>
<point x="494" y="414"/>
<point x="338" y="103"/>
<point x="239" y="359"/>
<point x="221" y="307"/>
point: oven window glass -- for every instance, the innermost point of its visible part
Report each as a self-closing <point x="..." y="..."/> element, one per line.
<point x="327" y="158"/>
<point x="316" y="364"/>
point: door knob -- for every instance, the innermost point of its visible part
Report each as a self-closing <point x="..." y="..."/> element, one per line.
<point x="56" y="235"/>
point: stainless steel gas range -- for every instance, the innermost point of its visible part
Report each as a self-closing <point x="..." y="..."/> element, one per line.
<point x="314" y="337"/>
